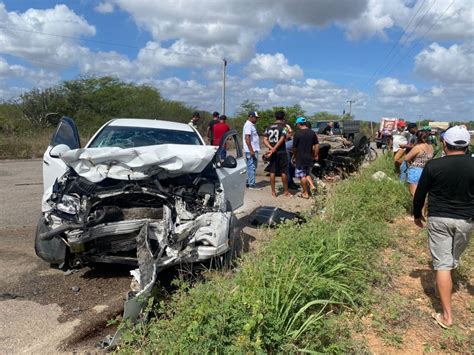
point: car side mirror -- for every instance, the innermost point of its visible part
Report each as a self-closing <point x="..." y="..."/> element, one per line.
<point x="57" y="150"/>
<point x="229" y="162"/>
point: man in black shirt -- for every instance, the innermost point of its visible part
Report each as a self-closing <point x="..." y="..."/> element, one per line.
<point x="305" y="151"/>
<point x="449" y="183"/>
<point x="210" y="126"/>
<point x="275" y="137"/>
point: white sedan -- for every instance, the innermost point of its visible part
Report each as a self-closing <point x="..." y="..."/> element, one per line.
<point x="142" y="192"/>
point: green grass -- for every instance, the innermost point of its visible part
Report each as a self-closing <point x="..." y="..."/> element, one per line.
<point x="293" y="294"/>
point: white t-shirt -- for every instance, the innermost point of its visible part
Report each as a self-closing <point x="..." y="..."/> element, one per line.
<point x="249" y="129"/>
<point x="397" y="140"/>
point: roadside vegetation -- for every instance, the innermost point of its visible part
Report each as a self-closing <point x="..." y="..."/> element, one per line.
<point x="298" y="293"/>
<point x="27" y="123"/>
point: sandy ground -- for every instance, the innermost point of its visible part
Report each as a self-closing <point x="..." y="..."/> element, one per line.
<point x="44" y="310"/>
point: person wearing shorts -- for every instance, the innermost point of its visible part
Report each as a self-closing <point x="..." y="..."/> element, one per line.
<point x="305" y="151"/>
<point x="275" y="137"/>
<point x="449" y="184"/>
<point x="417" y="158"/>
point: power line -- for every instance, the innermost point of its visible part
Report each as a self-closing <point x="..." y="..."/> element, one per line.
<point x="421" y="38"/>
<point x="394" y="45"/>
<point x="106" y="42"/>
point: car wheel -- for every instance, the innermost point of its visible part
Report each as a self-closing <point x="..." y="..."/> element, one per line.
<point x="53" y="250"/>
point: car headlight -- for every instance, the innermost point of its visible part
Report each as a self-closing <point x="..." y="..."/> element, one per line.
<point x="69" y="204"/>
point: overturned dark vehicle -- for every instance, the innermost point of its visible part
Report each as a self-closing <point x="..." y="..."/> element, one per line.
<point x="142" y="192"/>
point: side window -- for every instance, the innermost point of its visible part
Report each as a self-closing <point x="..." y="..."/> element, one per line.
<point x="66" y="133"/>
<point x="232" y="144"/>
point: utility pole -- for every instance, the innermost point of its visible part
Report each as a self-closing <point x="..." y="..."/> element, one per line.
<point x="350" y="106"/>
<point x="224" y="65"/>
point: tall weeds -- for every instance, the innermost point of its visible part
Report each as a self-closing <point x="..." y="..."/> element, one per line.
<point x="281" y="299"/>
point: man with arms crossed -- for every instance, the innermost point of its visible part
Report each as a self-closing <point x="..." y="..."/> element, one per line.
<point x="251" y="148"/>
<point x="449" y="183"/>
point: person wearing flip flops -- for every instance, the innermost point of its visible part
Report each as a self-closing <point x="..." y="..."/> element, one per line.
<point x="305" y="151"/>
<point x="449" y="184"/>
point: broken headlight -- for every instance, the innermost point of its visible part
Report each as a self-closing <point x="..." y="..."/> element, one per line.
<point x="69" y="204"/>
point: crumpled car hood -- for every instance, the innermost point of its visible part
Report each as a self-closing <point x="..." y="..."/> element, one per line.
<point x="166" y="160"/>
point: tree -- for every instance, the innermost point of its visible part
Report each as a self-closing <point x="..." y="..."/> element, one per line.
<point x="246" y="106"/>
<point x="42" y="107"/>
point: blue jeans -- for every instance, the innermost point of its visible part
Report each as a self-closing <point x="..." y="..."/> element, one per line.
<point x="403" y="171"/>
<point x="223" y="153"/>
<point x="252" y="163"/>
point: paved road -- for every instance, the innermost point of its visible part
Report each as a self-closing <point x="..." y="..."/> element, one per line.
<point x="39" y="312"/>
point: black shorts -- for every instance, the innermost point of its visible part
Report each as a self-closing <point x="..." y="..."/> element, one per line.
<point x="278" y="162"/>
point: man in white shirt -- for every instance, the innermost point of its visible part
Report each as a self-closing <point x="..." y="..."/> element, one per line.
<point x="251" y="145"/>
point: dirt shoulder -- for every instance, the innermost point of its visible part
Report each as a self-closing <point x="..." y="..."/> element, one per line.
<point x="400" y="320"/>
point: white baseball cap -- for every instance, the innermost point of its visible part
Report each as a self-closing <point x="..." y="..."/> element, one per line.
<point x="457" y="136"/>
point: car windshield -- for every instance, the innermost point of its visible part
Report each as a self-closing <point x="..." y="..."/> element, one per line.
<point x="129" y="137"/>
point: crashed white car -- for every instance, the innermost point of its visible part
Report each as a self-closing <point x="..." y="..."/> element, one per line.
<point x="141" y="192"/>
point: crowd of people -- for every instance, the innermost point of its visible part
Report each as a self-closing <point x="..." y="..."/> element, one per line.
<point x="439" y="170"/>
<point x="436" y="166"/>
<point x="290" y="154"/>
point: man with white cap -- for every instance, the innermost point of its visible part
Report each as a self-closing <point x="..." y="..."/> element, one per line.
<point x="449" y="183"/>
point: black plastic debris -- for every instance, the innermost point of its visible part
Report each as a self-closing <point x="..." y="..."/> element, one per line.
<point x="272" y="216"/>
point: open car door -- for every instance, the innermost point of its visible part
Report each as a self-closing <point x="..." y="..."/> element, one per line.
<point x="232" y="178"/>
<point x="53" y="167"/>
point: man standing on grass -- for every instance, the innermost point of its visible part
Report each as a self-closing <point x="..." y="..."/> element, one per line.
<point x="275" y="138"/>
<point x="449" y="183"/>
<point x="251" y="148"/>
<point x="305" y="151"/>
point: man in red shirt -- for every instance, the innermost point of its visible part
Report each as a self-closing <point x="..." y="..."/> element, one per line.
<point x="218" y="131"/>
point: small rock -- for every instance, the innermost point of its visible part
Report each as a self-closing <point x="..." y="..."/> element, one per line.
<point x="35" y="293"/>
<point x="70" y="272"/>
<point x="75" y="288"/>
<point x="76" y="310"/>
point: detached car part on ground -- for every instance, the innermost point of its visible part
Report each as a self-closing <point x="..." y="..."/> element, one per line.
<point x="143" y="192"/>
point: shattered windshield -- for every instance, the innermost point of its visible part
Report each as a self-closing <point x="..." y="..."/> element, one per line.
<point x="129" y="137"/>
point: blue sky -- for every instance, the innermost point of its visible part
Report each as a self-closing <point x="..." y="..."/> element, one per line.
<point x="397" y="58"/>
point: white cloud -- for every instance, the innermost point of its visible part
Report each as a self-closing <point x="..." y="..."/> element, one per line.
<point x="272" y="67"/>
<point x="436" y="20"/>
<point x="448" y="65"/>
<point x="22" y="34"/>
<point x="391" y="87"/>
<point x="36" y="78"/>
<point x="104" y="8"/>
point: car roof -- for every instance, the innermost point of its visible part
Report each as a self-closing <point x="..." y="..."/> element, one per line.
<point x="149" y="123"/>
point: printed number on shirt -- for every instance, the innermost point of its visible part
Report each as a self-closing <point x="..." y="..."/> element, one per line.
<point x="273" y="136"/>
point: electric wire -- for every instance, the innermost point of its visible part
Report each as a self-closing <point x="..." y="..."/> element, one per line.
<point x="398" y="42"/>
<point x="421" y="38"/>
<point x="116" y="44"/>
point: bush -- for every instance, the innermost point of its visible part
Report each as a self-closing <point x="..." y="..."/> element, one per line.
<point x="282" y="298"/>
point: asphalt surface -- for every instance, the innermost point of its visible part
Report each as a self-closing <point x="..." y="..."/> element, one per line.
<point x="45" y="310"/>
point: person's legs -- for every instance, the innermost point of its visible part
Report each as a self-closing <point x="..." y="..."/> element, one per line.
<point x="304" y="186"/>
<point x="284" y="179"/>
<point x="444" y="284"/>
<point x="272" y="183"/>
<point x="412" y="188"/>
<point x="448" y="238"/>
<point x="403" y="171"/>
<point x="282" y="163"/>
<point x="250" y="169"/>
